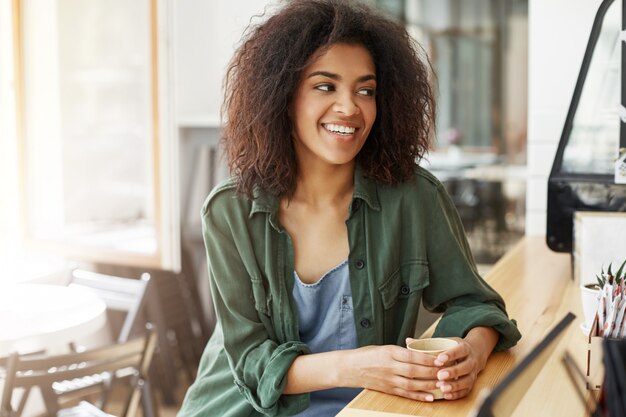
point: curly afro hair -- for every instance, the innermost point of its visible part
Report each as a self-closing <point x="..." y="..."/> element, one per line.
<point x="263" y="75"/>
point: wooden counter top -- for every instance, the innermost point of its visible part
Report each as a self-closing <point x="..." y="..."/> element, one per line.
<point x="538" y="291"/>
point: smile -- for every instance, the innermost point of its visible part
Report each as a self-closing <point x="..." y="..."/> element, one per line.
<point x="341" y="130"/>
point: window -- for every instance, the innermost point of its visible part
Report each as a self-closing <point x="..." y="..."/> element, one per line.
<point x="96" y="152"/>
<point x="478" y="49"/>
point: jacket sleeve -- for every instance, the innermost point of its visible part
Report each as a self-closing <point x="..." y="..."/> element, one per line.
<point x="258" y="362"/>
<point x="455" y="286"/>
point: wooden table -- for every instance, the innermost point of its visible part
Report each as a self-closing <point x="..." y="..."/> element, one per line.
<point x="44" y="317"/>
<point x="538" y="290"/>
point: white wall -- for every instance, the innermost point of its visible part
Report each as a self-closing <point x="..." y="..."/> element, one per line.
<point x="558" y="34"/>
<point x="206" y="35"/>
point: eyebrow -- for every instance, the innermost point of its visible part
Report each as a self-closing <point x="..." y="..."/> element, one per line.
<point x="334" y="76"/>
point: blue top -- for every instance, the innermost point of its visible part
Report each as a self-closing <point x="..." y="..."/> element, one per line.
<point x="326" y="323"/>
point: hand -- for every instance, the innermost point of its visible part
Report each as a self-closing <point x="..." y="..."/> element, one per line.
<point x="468" y="359"/>
<point x="391" y="369"/>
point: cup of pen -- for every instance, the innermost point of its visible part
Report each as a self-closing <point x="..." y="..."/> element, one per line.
<point x="433" y="347"/>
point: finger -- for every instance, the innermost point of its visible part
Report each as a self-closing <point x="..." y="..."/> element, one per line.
<point x="405" y="387"/>
<point x="410" y="384"/>
<point x="456" y="371"/>
<point x="408" y="356"/>
<point x="420" y="358"/>
<point x="453" y="386"/>
<point x="415" y="371"/>
<point x="456" y="395"/>
<point x="458" y="352"/>
<point x="413" y="395"/>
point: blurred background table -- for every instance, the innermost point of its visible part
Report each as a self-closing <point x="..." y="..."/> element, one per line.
<point x="21" y="266"/>
<point x="36" y="317"/>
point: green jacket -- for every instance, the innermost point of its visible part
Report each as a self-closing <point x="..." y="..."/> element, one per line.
<point x="406" y="245"/>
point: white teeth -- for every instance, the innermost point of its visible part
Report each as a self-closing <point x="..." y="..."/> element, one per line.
<point x="340" y="129"/>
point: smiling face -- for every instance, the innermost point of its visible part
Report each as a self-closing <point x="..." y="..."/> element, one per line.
<point x="334" y="106"/>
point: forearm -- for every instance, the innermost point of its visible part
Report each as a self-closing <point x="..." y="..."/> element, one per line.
<point x="315" y="372"/>
<point x="483" y="340"/>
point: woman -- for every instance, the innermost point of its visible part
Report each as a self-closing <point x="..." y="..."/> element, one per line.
<point x="327" y="237"/>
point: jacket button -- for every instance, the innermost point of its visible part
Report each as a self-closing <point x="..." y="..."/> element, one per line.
<point x="404" y="290"/>
<point x="365" y="323"/>
<point x="359" y="264"/>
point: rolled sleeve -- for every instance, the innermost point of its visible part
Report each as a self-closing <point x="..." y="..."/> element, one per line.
<point x="462" y="317"/>
<point x="265" y="392"/>
<point x="456" y="287"/>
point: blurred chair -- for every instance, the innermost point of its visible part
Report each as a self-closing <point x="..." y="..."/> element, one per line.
<point x="493" y="203"/>
<point x="464" y="195"/>
<point x="175" y="308"/>
<point x="183" y="331"/>
<point x="481" y="205"/>
<point x="27" y="371"/>
<point x="126" y="296"/>
<point x="493" y="218"/>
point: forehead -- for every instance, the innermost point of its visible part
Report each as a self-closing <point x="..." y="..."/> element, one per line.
<point x="343" y="57"/>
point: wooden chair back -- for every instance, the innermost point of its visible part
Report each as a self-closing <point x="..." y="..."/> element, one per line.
<point x="29" y="371"/>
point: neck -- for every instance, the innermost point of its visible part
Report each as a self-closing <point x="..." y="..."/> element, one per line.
<point x="325" y="185"/>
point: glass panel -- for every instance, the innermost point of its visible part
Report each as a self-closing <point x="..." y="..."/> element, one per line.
<point x="594" y="140"/>
<point x="467" y="43"/>
<point x="465" y="90"/>
<point x="89" y="124"/>
<point x="393" y="7"/>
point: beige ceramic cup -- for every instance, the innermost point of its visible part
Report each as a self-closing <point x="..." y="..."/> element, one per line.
<point x="433" y="347"/>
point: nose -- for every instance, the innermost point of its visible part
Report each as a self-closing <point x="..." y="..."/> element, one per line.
<point x="345" y="104"/>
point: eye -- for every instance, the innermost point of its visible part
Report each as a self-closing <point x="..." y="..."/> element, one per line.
<point x="367" y="91"/>
<point x="325" y="87"/>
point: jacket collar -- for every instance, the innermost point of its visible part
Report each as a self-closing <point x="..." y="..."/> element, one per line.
<point x="364" y="189"/>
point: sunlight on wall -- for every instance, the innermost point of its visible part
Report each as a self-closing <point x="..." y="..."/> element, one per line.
<point x="9" y="201"/>
<point x="41" y="95"/>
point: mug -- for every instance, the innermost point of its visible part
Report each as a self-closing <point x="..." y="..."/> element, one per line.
<point x="433" y="347"/>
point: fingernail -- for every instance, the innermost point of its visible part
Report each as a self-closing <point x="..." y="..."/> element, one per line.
<point x="445" y="388"/>
<point x="439" y="384"/>
<point x="443" y="358"/>
<point x="443" y="375"/>
<point x="430" y="398"/>
<point x="447" y="396"/>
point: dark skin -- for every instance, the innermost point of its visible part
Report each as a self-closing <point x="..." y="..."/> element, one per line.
<point x="332" y="113"/>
